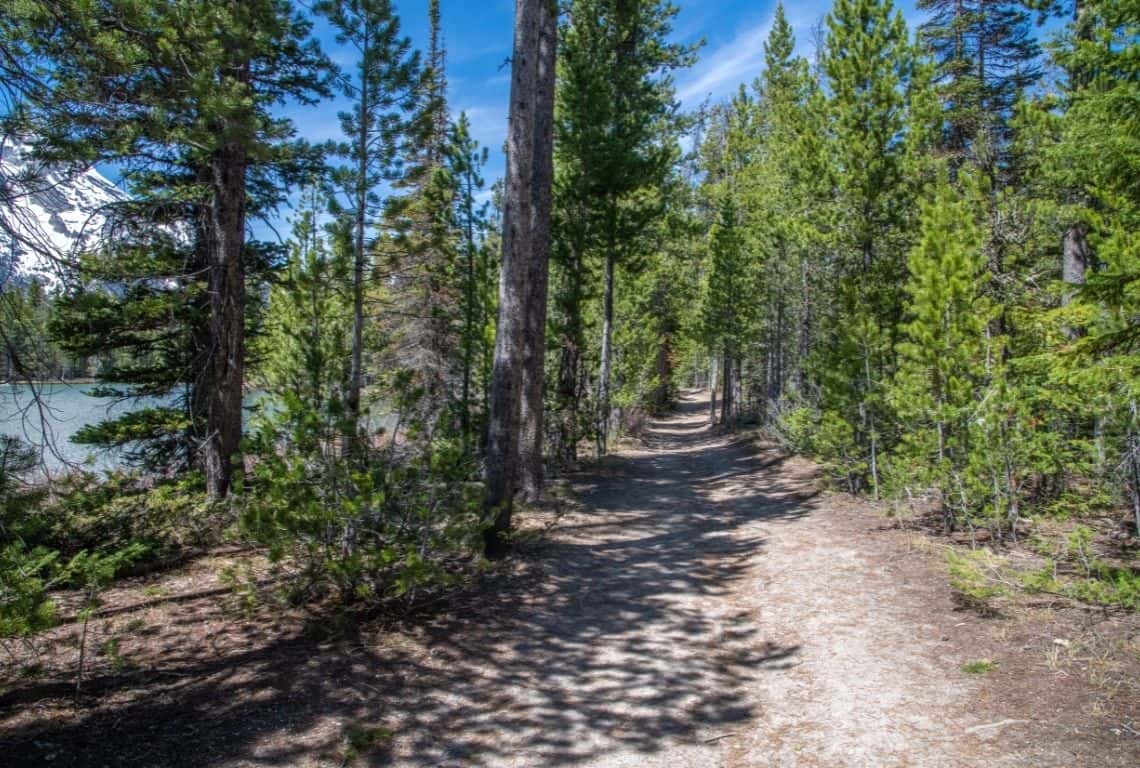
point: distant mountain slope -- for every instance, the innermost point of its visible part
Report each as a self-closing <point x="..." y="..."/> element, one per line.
<point x="47" y="213"/>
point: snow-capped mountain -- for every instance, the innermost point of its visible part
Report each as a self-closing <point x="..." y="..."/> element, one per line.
<point x="47" y="213"/>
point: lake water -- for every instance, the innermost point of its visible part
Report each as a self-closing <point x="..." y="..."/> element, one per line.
<point x="63" y="409"/>
<point x="66" y="408"/>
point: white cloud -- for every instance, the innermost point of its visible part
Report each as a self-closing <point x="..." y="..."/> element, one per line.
<point x="488" y="124"/>
<point x="720" y="71"/>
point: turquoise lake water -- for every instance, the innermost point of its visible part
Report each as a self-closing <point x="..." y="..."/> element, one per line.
<point x="65" y="408"/>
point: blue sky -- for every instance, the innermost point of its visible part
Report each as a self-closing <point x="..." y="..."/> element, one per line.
<point x="478" y="36"/>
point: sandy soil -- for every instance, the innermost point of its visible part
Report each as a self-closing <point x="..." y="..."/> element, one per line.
<point x="702" y="603"/>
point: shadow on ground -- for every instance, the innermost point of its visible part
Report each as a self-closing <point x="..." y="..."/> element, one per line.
<point x="619" y="632"/>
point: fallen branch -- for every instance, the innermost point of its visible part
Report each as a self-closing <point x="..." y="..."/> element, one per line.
<point x="991" y="726"/>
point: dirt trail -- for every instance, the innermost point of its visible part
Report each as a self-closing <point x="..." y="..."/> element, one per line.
<point x="703" y="606"/>
<point x="742" y="619"/>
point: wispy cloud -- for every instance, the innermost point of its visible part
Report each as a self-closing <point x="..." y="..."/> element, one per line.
<point x="488" y="123"/>
<point x="721" y="70"/>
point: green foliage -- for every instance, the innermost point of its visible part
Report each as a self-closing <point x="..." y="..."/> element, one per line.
<point x="972" y="575"/>
<point x="979" y="667"/>
<point x="730" y="284"/>
<point x="380" y="527"/>
<point x="25" y="576"/>
<point x="1113" y="586"/>
<point x="92" y="572"/>
<point x="979" y="92"/>
<point x="360" y="739"/>
<point x="798" y="429"/>
<point x="616" y="144"/>
<point x="27" y="350"/>
<point x="942" y="353"/>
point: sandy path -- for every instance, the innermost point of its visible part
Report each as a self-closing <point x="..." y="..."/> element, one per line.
<point x="710" y="609"/>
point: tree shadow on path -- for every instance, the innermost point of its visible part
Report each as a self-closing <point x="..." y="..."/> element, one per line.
<point x="621" y="632"/>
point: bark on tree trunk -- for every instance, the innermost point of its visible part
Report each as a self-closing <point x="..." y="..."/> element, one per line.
<point x="227" y="317"/>
<point x="534" y="30"/>
<point x="714" y="368"/>
<point x="607" y="355"/>
<point x="1075" y="258"/>
<point x="727" y="398"/>
<point x="805" y="327"/>
<point x="356" y="369"/>
<point x="568" y="403"/>
<point x="531" y="475"/>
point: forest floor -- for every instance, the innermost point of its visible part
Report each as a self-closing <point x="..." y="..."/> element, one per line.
<point x="697" y="601"/>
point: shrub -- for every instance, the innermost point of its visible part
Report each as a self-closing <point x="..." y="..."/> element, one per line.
<point x="370" y="525"/>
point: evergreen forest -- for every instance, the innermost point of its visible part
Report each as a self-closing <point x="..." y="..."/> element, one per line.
<point x="370" y="380"/>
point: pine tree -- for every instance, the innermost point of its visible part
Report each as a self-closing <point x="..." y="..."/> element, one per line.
<point x="778" y="188"/>
<point x="196" y="84"/>
<point x="308" y="327"/>
<point x="986" y="57"/>
<point x="726" y="303"/>
<point x="941" y="354"/>
<point x="618" y="113"/>
<point x="421" y="294"/>
<point x="465" y="161"/>
<point x="1098" y="152"/>
<point x="869" y="64"/>
<point x="383" y="93"/>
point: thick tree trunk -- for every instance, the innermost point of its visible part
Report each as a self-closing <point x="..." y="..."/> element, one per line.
<point x="227" y="317"/>
<point x="531" y="475"/>
<point x="523" y="217"/>
<point x="727" y="398"/>
<point x="607" y="354"/>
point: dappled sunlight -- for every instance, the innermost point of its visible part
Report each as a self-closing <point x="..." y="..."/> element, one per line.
<point x="618" y="634"/>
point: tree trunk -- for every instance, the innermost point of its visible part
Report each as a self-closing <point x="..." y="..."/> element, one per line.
<point x="664" y="371"/>
<point x="568" y="403"/>
<point x="805" y="328"/>
<point x="713" y="370"/>
<point x="200" y="390"/>
<point x="779" y="351"/>
<point x="727" y="398"/>
<point x="531" y="475"/>
<point x="356" y="369"/>
<point x="1075" y="258"/>
<point x="607" y="354"/>
<point x="227" y="317"/>
<point x="1132" y="456"/>
<point x="534" y="28"/>
<point x="469" y="309"/>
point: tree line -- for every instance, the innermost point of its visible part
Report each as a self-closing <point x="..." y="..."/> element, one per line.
<point x="944" y="264"/>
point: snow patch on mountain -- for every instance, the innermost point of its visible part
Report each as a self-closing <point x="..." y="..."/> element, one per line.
<point x="48" y="213"/>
